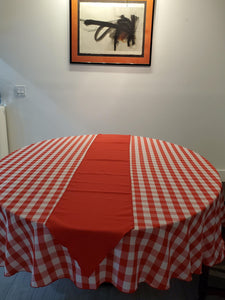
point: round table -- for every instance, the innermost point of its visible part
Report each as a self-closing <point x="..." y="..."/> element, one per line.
<point x="177" y="210"/>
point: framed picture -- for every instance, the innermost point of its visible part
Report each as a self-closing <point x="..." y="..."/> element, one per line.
<point x="111" y="31"/>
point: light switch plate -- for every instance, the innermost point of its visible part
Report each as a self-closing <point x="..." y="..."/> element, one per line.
<point x="20" y="91"/>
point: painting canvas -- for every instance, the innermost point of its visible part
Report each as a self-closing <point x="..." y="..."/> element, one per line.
<point x="115" y="32"/>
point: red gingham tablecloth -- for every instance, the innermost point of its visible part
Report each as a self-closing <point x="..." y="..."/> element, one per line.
<point x="177" y="202"/>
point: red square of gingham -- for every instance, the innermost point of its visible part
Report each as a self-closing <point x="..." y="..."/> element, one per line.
<point x="177" y="206"/>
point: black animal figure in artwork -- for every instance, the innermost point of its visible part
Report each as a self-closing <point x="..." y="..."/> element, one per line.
<point x="124" y="29"/>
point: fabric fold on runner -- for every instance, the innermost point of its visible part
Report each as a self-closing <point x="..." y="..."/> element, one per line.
<point x="95" y="211"/>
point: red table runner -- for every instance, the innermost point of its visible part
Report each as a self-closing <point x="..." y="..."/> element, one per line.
<point x="95" y="211"/>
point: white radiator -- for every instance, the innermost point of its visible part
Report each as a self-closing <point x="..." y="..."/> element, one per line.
<point x="4" y="150"/>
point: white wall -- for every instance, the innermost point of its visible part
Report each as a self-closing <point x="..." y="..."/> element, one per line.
<point x="180" y="98"/>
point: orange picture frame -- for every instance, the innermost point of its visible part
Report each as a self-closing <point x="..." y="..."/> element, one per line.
<point x="111" y="31"/>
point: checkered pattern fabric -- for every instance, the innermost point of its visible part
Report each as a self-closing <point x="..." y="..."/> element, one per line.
<point x="34" y="178"/>
<point x="177" y="207"/>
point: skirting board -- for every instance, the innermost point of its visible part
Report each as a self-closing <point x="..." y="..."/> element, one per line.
<point x="222" y="174"/>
